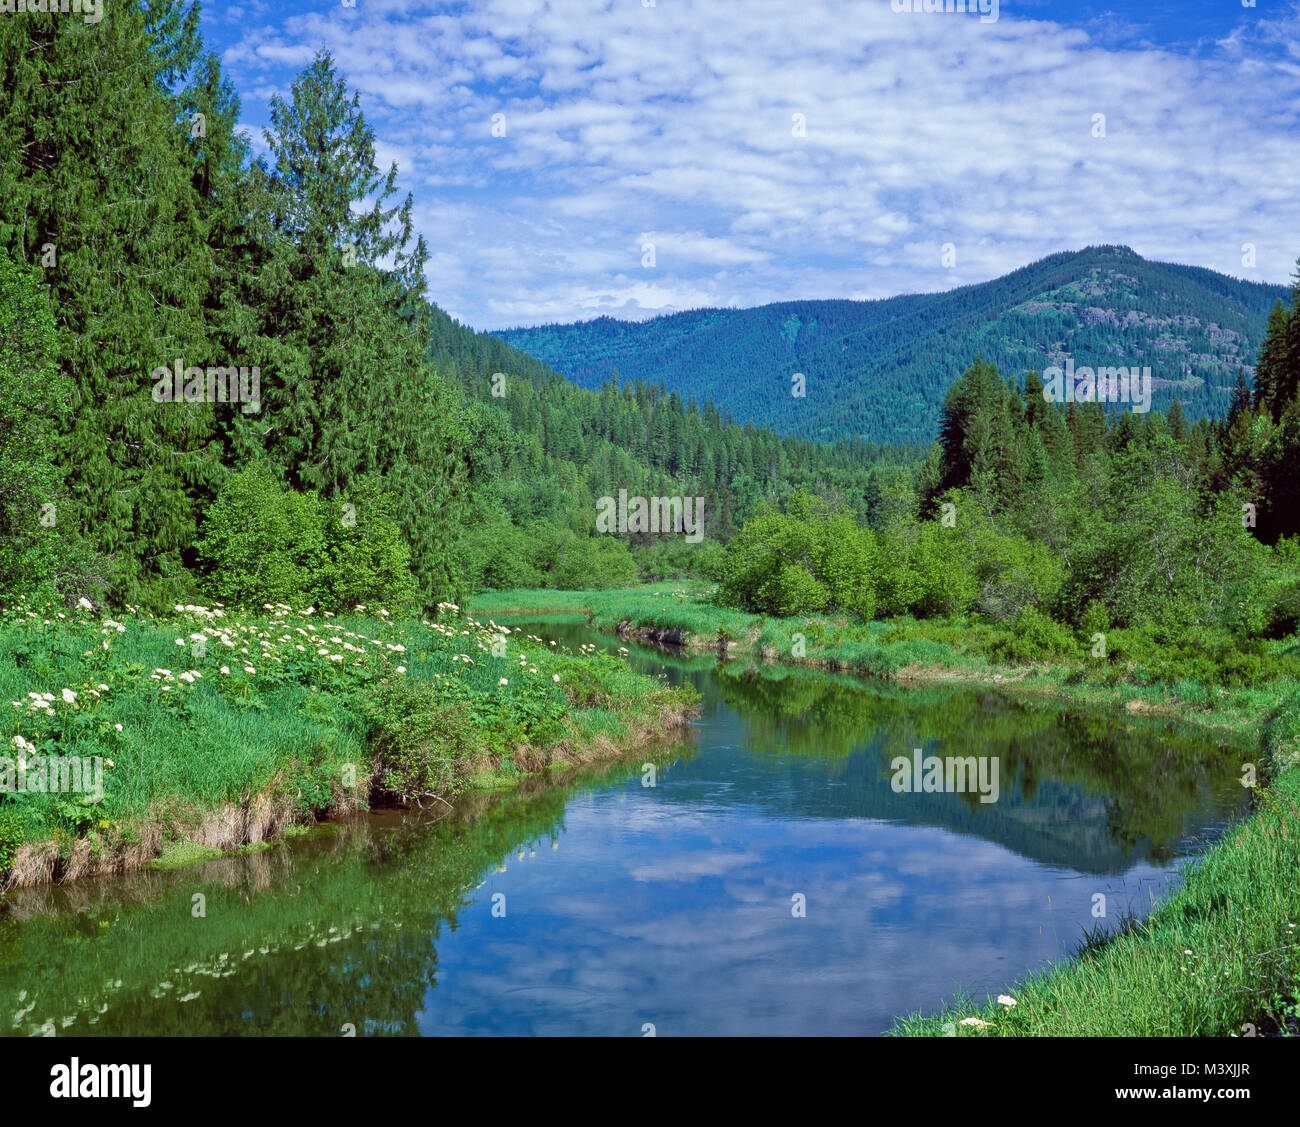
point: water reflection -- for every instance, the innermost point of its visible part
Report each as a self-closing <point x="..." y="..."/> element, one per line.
<point x="592" y="904"/>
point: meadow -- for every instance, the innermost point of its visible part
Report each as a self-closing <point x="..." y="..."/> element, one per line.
<point x="1211" y="676"/>
<point x="219" y="729"/>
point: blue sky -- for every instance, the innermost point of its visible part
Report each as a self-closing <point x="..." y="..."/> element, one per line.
<point x="673" y="123"/>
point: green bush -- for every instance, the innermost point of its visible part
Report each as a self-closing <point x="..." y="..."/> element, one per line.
<point x="366" y="560"/>
<point x="1095" y="619"/>
<point x="793" y="589"/>
<point x="594" y="562"/>
<point x="496" y="555"/>
<point x="1209" y="655"/>
<point x="1287" y="552"/>
<point x="419" y="743"/>
<point x="263" y="543"/>
<point x="926" y="571"/>
<point x="1014" y="573"/>
<point x="674" y="557"/>
<point x="1282" y="617"/>
<point x="1156" y="556"/>
<point x="1035" y="637"/>
<point x="499" y="555"/>
<point x="803" y="561"/>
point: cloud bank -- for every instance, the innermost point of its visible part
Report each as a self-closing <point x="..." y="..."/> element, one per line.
<point x="576" y="158"/>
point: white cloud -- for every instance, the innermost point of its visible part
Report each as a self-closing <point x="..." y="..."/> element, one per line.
<point x="678" y="120"/>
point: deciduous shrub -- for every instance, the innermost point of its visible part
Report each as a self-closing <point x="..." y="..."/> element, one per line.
<point x="594" y="562"/>
<point x="925" y="570"/>
<point x="1035" y="637"/>
<point x="803" y="561"/>
<point x="366" y="559"/>
<point x="419" y="743"/>
<point x="265" y="543"/>
<point x="1282" y="617"/>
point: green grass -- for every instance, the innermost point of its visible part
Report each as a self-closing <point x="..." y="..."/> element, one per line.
<point x="495" y="779"/>
<point x="1220" y="957"/>
<point x="203" y="708"/>
<point x="179" y="854"/>
<point x="1209" y="675"/>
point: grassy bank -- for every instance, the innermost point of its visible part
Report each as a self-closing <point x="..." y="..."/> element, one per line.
<point x="311" y="921"/>
<point x="1209" y="677"/>
<point x="214" y="729"/>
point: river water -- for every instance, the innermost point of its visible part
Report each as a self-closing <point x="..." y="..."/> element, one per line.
<point x="771" y="881"/>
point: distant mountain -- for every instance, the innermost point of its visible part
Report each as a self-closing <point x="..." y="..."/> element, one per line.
<point x="879" y="369"/>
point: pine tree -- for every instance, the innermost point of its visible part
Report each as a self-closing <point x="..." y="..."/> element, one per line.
<point x="1270" y="370"/>
<point x="35" y="398"/>
<point x="98" y="193"/>
<point x="1240" y="398"/>
<point x="1174" y="421"/>
<point x="348" y="395"/>
<point x="1286" y="380"/>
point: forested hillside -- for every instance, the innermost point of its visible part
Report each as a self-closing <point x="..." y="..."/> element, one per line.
<point x="1053" y="519"/>
<point x="546" y="451"/>
<point x="880" y="368"/>
<point x="222" y="375"/>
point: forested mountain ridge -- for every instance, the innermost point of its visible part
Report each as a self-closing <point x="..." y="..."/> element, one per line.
<point x="373" y="450"/>
<point x="545" y="450"/>
<point x="879" y="369"/>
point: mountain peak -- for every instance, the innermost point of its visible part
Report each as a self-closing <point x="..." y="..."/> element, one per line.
<point x="879" y="369"/>
<point x="1112" y="250"/>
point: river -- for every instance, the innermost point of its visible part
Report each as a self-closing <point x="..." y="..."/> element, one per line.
<point x="762" y="876"/>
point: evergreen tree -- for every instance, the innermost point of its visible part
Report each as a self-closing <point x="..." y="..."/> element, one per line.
<point x="1240" y="398"/>
<point x="348" y="395"/>
<point x="98" y="193"/>
<point x="1175" y="423"/>
<point x="1270" y="372"/>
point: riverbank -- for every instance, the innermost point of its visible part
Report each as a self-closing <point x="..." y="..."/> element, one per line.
<point x="1218" y="958"/>
<point x="138" y="736"/>
<point x="1212" y="680"/>
<point x="1221" y="956"/>
<point x="331" y="916"/>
